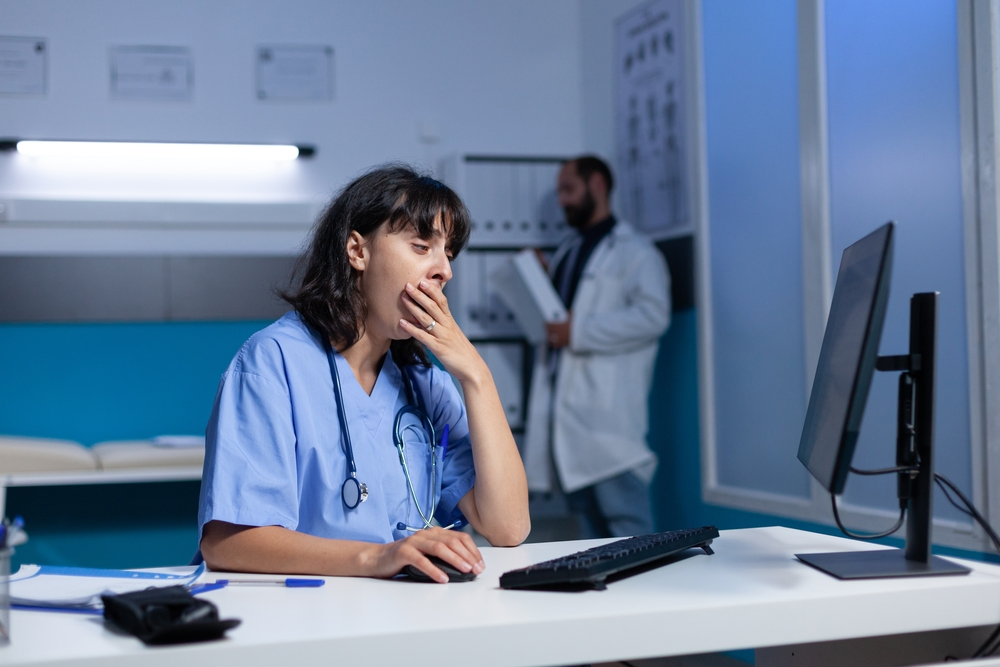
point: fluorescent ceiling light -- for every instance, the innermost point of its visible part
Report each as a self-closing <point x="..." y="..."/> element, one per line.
<point x="158" y="151"/>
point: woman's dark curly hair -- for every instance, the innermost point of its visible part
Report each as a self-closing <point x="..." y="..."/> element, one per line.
<point x="328" y="297"/>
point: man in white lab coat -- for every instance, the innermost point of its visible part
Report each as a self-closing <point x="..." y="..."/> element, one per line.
<point x="588" y="410"/>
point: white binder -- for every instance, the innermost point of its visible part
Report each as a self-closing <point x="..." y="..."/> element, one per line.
<point x="527" y="290"/>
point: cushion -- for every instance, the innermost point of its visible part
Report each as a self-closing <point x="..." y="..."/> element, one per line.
<point x="122" y="454"/>
<point x="23" y="454"/>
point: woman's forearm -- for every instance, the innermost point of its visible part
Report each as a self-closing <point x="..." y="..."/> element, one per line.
<point x="277" y="550"/>
<point x="498" y="505"/>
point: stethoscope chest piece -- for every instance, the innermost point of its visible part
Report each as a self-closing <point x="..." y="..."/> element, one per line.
<point x="353" y="492"/>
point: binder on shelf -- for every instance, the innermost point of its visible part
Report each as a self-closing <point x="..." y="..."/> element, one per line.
<point x="526" y="289"/>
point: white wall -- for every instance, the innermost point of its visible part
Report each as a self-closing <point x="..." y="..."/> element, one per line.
<point x="501" y="77"/>
<point x="597" y="47"/>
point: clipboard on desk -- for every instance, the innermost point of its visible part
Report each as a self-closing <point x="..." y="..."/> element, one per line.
<point x="527" y="291"/>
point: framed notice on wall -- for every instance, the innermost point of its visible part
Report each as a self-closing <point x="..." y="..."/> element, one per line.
<point x="295" y="73"/>
<point x="151" y="73"/>
<point x="23" y="65"/>
<point x="650" y="118"/>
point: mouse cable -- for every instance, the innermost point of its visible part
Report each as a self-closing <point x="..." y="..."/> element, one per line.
<point x="948" y="487"/>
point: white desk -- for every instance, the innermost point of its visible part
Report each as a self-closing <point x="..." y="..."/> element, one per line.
<point x="751" y="593"/>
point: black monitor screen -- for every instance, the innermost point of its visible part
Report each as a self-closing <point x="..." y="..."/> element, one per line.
<point x="847" y="359"/>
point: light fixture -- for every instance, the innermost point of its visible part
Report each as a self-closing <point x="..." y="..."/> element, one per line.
<point x="127" y="150"/>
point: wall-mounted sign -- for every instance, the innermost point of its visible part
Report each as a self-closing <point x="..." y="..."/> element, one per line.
<point x="291" y="73"/>
<point x="23" y="65"/>
<point x="652" y="128"/>
<point x="151" y="73"/>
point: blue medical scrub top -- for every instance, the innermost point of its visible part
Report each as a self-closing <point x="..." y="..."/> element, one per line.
<point x="274" y="454"/>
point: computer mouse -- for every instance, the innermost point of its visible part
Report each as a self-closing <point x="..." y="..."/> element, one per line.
<point x="454" y="574"/>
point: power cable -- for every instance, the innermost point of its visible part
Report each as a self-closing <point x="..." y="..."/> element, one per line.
<point x="992" y="643"/>
<point x="864" y="536"/>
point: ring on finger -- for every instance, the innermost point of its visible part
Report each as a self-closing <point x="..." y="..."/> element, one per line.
<point x="430" y="327"/>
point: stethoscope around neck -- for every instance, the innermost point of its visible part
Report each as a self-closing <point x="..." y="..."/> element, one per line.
<point x="354" y="492"/>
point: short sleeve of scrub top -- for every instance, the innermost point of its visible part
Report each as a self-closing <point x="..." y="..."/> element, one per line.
<point x="274" y="451"/>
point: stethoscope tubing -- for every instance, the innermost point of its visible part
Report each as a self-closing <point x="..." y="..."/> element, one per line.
<point x="352" y="492"/>
<point x="359" y="491"/>
<point x="397" y="436"/>
<point x="341" y="413"/>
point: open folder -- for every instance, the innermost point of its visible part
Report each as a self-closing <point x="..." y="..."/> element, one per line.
<point x="53" y="587"/>
<point x="526" y="289"/>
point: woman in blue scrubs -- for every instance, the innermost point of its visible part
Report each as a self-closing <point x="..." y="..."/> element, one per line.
<point x="276" y="495"/>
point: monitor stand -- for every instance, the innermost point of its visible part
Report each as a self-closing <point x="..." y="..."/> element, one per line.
<point x="915" y="448"/>
<point x="881" y="564"/>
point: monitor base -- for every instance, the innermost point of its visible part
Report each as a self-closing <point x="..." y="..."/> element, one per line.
<point x="879" y="564"/>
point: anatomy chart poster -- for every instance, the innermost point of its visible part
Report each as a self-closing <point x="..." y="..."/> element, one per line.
<point x="650" y="118"/>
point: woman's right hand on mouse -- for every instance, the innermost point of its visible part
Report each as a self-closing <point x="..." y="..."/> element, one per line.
<point x="387" y="560"/>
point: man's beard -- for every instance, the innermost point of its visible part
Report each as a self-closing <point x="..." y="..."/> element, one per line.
<point x="578" y="217"/>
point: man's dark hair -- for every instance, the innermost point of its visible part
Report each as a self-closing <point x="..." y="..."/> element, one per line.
<point x="588" y="165"/>
<point x="328" y="297"/>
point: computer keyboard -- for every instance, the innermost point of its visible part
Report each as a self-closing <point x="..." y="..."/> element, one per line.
<point x="590" y="568"/>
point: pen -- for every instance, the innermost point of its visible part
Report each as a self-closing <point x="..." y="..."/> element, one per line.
<point x="444" y="442"/>
<point x="289" y="583"/>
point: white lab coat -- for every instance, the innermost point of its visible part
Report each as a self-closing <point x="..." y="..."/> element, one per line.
<point x="599" y="418"/>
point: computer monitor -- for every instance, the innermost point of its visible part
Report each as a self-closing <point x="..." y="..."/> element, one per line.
<point x="848" y="359"/>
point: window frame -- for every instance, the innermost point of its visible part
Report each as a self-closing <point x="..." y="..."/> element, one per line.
<point x="979" y="83"/>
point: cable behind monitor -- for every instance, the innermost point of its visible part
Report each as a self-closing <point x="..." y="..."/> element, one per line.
<point x="992" y="643"/>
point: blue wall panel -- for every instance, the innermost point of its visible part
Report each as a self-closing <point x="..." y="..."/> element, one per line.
<point x="94" y="382"/>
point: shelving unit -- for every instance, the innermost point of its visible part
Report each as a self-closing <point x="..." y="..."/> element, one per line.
<point x="514" y="205"/>
<point x="73" y="478"/>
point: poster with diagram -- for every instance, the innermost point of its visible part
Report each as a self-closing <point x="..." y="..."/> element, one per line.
<point x="650" y="124"/>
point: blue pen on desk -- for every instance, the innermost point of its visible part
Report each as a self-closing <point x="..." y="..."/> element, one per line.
<point x="288" y="583"/>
